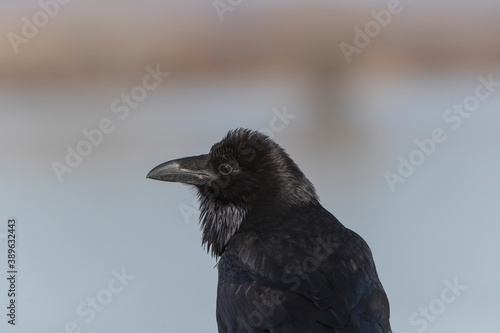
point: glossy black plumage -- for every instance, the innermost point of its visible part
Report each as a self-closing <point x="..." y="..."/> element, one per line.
<point x="285" y="263"/>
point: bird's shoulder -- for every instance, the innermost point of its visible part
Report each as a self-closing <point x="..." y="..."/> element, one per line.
<point x="309" y="235"/>
<point x="309" y="261"/>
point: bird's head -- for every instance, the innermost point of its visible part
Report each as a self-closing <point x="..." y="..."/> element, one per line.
<point x="244" y="171"/>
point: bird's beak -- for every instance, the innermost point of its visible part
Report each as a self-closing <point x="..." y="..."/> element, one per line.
<point x="192" y="170"/>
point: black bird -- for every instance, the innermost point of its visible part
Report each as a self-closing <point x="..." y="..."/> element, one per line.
<point x="285" y="263"/>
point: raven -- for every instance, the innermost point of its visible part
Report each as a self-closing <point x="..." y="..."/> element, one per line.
<point x="285" y="263"/>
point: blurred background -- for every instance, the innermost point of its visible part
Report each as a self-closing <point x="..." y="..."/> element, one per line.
<point x="346" y="87"/>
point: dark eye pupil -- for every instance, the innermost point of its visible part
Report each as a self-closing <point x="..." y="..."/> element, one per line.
<point x="225" y="169"/>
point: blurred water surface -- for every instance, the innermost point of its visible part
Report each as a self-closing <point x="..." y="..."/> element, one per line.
<point x="441" y="223"/>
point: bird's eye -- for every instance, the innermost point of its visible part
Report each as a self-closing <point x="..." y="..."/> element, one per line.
<point x="225" y="169"/>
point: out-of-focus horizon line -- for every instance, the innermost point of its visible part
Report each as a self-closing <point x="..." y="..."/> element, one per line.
<point x="117" y="42"/>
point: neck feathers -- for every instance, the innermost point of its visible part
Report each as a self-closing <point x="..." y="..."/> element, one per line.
<point x="219" y="223"/>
